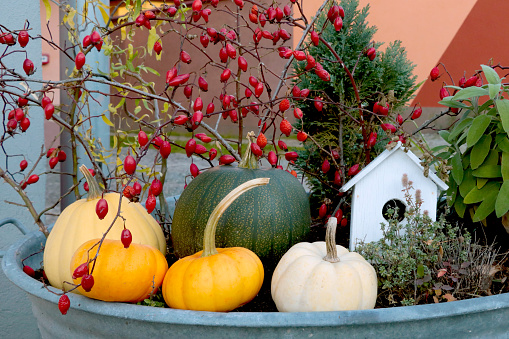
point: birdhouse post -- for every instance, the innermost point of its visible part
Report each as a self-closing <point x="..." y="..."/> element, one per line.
<point x="379" y="187"/>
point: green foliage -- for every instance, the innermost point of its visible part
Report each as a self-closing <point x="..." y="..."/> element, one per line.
<point x="478" y="149"/>
<point x="409" y="256"/>
<point x="388" y="78"/>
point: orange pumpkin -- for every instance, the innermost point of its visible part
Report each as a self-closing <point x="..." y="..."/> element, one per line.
<point x="219" y="279"/>
<point x="121" y="274"/>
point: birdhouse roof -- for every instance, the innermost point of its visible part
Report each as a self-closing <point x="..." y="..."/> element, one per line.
<point x="384" y="156"/>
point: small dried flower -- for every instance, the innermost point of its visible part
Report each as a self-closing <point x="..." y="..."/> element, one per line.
<point x="418" y="198"/>
<point x="404" y="180"/>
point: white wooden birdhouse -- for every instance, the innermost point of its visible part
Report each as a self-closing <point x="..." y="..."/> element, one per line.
<point x="378" y="187"/>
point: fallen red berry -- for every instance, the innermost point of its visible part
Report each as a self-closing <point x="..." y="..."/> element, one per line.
<point x="29" y="270"/>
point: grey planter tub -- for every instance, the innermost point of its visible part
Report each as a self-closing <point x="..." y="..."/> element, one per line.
<point x="485" y="317"/>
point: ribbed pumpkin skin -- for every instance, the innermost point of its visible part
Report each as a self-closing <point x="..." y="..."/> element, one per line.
<point x="218" y="283"/>
<point x="304" y="282"/>
<point x="122" y="274"/>
<point x="79" y="223"/>
<point x="268" y="220"/>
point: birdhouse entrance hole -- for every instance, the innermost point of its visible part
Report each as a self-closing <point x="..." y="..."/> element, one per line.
<point x="394" y="208"/>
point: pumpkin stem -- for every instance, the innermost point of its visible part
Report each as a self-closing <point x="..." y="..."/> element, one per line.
<point x="94" y="191"/>
<point x="330" y="240"/>
<point x="209" y="238"/>
<point x="249" y="159"/>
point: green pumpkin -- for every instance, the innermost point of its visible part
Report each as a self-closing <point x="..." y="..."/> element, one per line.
<point x="268" y="220"/>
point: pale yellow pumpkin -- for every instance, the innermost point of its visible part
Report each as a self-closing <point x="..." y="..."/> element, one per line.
<point x="79" y="223"/>
<point x="323" y="276"/>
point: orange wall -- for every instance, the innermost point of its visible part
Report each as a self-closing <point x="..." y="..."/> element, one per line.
<point x="425" y="27"/>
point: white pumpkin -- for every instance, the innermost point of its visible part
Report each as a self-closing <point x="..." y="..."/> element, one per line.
<point x="323" y="276"/>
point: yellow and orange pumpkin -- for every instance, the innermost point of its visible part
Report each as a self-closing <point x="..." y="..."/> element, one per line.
<point x="79" y="223"/>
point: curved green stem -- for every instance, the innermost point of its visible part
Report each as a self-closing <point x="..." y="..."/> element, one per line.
<point x="330" y="241"/>
<point x="94" y="191"/>
<point x="209" y="237"/>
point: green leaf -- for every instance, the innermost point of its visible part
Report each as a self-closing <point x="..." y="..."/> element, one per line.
<point x="491" y="75"/>
<point x="503" y="110"/>
<point x="487" y="206"/>
<point x="488" y="171"/>
<point x="137" y="8"/>
<point x="469" y="92"/>
<point x="485" y="106"/>
<point x="450" y="102"/>
<point x="457" y="168"/>
<point x="460" y="127"/>
<point x="468" y="183"/>
<point x="492" y="158"/>
<point x="460" y="207"/>
<point x="477" y="195"/>
<point x="480" y="151"/>
<point x="477" y="129"/>
<point x="503" y="144"/>
<point x="504" y="168"/>
<point x="420" y="271"/>
<point x="107" y="121"/>
<point x="493" y="89"/>
<point x="502" y="203"/>
<point x="466" y="160"/>
<point x="481" y="182"/>
<point x="444" y="134"/>
<point x="151" y="70"/>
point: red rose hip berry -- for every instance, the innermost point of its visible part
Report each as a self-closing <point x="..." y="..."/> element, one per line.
<point x="126" y="238"/>
<point x="101" y="208"/>
<point x="63" y="304"/>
